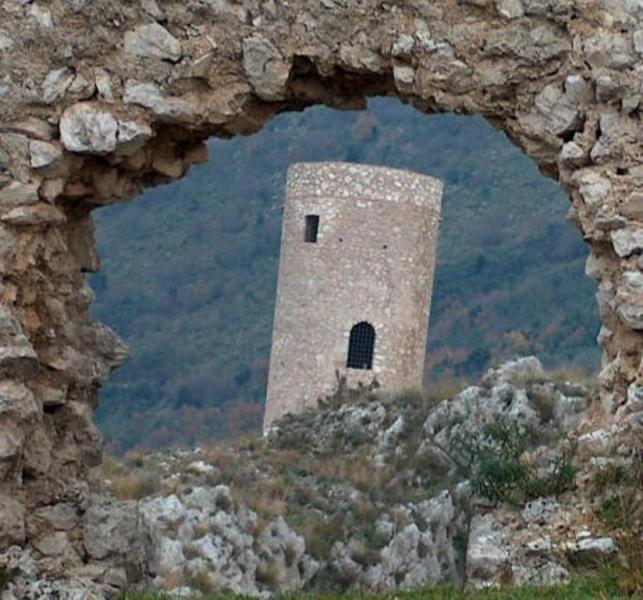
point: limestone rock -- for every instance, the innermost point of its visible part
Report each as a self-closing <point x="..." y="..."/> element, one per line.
<point x="560" y="113"/>
<point x="487" y="553"/>
<point x="540" y="511"/>
<point x="404" y="76"/>
<point x="33" y="128"/>
<point x="510" y="9"/>
<point x="228" y="547"/>
<point x="517" y="371"/>
<point x="265" y="67"/>
<point x="43" y="154"/>
<point x="132" y="136"/>
<point x="12" y="524"/>
<point x="591" y="550"/>
<point x="152" y="41"/>
<point x="167" y="108"/>
<point x="41" y="15"/>
<point x="85" y="128"/>
<point x="403" y="46"/>
<point x="56" y="84"/>
<point x="19" y="194"/>
<point x="607" y="49"/>
<point x="34" y="214"/>
<point x="627" y="240"/>
<point x="594" y="188"/>
<point x="6" y="41"/>
<point x="7" y="249"/>
<point x="52" y="545"/>
<point x="152" y="9"/>
<point x="630" y="299"/>
<point x="632" y="207"/>
<point x="115" y="532"/>
<point x="17" y="400"/>
<point x="104" y="84"/>
<point x="638" y="41"/>
<point x="28" y="581"/>
<point x="61" y="517"/>
<point x="594" y="443"/>
<point x="572" y="154"/>
<point x="16" y="353"/>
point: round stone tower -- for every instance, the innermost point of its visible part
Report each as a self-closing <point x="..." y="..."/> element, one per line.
<point x="355" y="278"/>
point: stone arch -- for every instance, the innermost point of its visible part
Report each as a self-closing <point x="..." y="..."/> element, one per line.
<point x="100" y="99"/>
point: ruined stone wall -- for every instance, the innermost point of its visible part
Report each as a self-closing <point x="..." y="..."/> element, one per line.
<point x="373" y="261"/>
<point x="100" y="99"/>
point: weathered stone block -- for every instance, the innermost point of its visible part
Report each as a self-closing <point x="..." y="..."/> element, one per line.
<point x="12" y="524"/>
<point x="152" y="41"/>
<point x="265" y="67"/>
<point x="44" y="154"/>
<point x="167" y="108"/>
<point x="85" y="128"/>
<point x="36" y="214"/>
<point x="627" y="240"/>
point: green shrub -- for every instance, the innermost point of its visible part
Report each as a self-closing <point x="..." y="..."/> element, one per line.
<point x="499" y="471"/>
<point x="321" y="534"/>
<point x="612" y="475"/>
<point x="621" y="511"/>
<point x="5" y="578"/>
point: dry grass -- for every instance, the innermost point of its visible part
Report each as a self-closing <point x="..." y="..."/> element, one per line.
<point x="136" y="485"/>
<point x="321" y="532"/>
<point x="569" y="374"/>
<point x="544" y="401"/>
<point x="445" y="388"/>
<point x="267" y="500"/>
<point x="225" y="460"/>
<point x="200" y="530"/>
<point x="131" y="480"/>
<point x="268" y="574"/>
<point x="355" y="468"/>
<point x="202" y="581"/>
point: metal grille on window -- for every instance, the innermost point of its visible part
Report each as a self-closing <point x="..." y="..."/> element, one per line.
<point x="360" y="346"/>
<point x="312" y="227"/>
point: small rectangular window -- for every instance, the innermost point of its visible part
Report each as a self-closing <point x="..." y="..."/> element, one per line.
<point x="312" y="227"/>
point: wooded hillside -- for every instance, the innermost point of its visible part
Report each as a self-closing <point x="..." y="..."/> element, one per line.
<point x="189" y="270"/>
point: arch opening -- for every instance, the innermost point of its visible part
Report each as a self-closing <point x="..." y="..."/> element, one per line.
<point x="209" y="248"/>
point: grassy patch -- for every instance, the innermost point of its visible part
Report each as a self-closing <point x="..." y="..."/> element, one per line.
<point x="606" y="586"/>
<point x="136" y="486"/>
<point x="621" y="511"/>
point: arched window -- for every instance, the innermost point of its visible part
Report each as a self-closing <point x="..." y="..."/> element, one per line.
<point x="360" y="347"/>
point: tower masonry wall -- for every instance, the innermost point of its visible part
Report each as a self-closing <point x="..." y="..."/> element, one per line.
<point x="373" y="261"/>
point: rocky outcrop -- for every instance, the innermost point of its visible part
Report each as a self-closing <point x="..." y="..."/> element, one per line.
<point x="100" y="99"/>
<point x="204" y="535"/>
<point x="28" y="581"/>
<point x="370" y="492"/>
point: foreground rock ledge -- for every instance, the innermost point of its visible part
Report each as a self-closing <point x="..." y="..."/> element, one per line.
<point x="374" y="493"/>
<point x="100" y="99"/>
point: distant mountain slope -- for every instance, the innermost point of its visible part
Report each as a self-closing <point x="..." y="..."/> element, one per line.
<point x="189" y="270"/>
